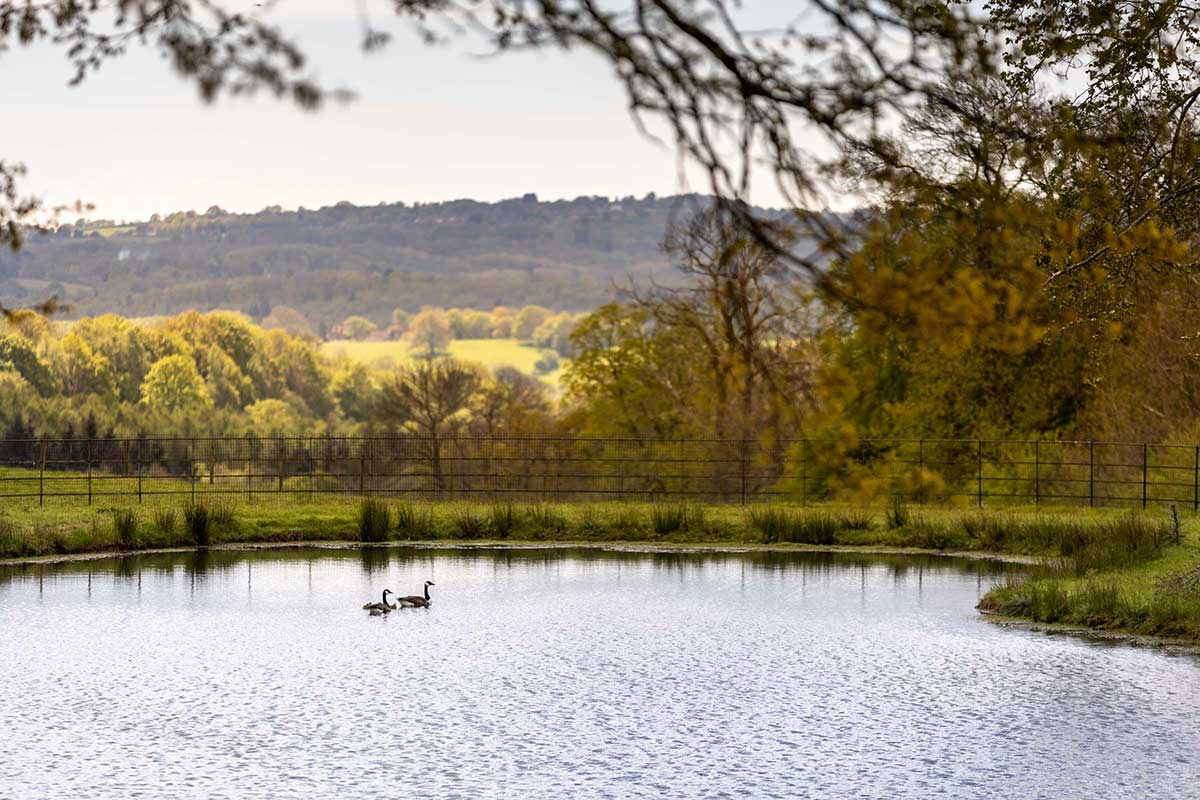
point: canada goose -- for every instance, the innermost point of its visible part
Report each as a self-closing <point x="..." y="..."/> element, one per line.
<point x="382" y="607"/>
<point x="415" y="600"/>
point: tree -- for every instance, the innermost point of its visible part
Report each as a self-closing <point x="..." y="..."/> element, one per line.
<point x="627" y="378"/>
<point x="555" y="333"/>
<point x="547" y="362"/>
<point x="528" y="320"/>
<point x="17" y="354"/>
<point x="430" y="401"/>
<point x="748" y="322"/>
<point x="288" y="319"/>
<point x="401" y="319"/>
<point x="430" y="332"/>
<point x="511" y="403"/>
<point x="354" y="391"/>
<point x="357" y="327"/>
<point x="273" y="417"/>
<point x="174" y="384"/>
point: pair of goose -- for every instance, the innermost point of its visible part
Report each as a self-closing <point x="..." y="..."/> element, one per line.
<point x="412" y="601"/>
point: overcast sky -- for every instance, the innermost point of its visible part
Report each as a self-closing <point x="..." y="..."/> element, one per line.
<point x="429" y="124"/>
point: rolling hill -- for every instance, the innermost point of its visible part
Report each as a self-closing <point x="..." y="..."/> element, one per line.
<point x="345" y="259"/>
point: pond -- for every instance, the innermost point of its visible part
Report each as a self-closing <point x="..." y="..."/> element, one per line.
<point x="549" y="673"/>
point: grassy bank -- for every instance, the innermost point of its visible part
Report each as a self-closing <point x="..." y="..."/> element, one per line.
<point x="1101" y="568"/>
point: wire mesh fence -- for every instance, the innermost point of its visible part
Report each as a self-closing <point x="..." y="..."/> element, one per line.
<point x="975" y="471"/>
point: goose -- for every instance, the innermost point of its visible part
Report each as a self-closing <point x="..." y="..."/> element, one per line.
<point x="382" y="607"/>
<point x="416" y="600"/>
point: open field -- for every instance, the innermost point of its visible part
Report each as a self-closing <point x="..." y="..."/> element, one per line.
<point x="489" y="352"/>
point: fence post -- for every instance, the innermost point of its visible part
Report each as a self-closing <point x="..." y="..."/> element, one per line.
<point x="362" y="468"/>
<point x="42" y="475"/>
<point x="192" y="468"/>
<point x="1145" y="460"/>
<point x="312" y="468"/>
<point x="281" y="452"/>
<point x="979" y="474"/>
<point x="1037" y="472"/>
<point x="138" y="467"/>
<point x="88" y="450"/>
<point x="1091" y="474"/>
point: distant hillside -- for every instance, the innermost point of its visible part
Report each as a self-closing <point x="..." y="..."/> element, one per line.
<point x="346" y="259"/>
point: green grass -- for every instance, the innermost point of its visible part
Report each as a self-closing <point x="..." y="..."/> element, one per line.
<point x="489" y="352"/>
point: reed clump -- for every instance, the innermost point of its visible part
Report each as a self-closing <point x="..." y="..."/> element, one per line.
<point x="897" y="515"/>
<point x="411" y="523"/>
<point x="779" y="525"/>
<point x="125" y="525"/>
<point x="373" y="520"/>
<point x="469" y="525"/>
<point x="503" y="519"/>
<point x="165" y="523"/>
<point x="544" y="521"/>
<point x="198" y="522"/>
<point x="676" y="518"/>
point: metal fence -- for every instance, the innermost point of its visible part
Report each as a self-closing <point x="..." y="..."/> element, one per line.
<point x="967" y="471"/>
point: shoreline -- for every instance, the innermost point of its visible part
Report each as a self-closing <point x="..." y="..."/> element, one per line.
<point x="647" y="546"/>
<point x="1120" y="636"/>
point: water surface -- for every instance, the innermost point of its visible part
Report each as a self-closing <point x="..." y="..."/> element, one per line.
<point x="550" y="674"/>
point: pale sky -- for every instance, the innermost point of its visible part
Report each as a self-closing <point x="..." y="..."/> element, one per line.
<point x="429" y="124"/>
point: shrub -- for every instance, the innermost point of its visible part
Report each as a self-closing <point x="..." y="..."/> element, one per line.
<point x="504" y="520"/>
<point x="372" y="520"/>
<point x="125" y="528"/>
<point x="198" y="524"/>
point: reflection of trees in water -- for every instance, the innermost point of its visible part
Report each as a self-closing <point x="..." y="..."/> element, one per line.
<point x="202" y="565"/>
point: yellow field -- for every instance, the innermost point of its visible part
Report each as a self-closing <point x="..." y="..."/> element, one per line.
<point x="489" y="352"/>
